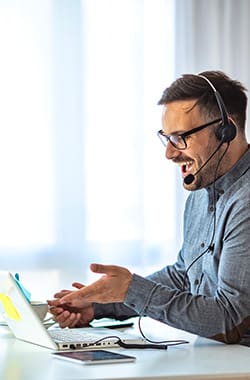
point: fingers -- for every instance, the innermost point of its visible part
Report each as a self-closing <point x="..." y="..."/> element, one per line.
<point x="67" y="319"/>
<point x="64" y="315"/>
<point x="111" y="287"/>
<point x="54" y="303"/>
<point x="64" y="318"/>
<point x="61" y="293"/>
<point x="64" y="292"/>
<point x="67" y="299"/>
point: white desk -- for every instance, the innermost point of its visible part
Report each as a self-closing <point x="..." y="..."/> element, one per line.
<point x="200" y="359"/>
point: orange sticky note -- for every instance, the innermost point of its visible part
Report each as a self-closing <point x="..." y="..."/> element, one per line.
<point x="9" y="307"/>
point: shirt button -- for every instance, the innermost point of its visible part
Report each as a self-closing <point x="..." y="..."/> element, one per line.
<point x="202" y="245"/>
<point x="211" y="208"/>
<point x="196" y="282"/>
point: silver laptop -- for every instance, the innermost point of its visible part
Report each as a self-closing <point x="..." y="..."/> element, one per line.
<point x="25" y="324"/>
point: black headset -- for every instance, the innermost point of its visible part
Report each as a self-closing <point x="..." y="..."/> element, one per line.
<point x="226" y="132"/>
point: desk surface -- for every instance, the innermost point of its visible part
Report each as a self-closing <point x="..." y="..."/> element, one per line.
<point x="200" y="359"/>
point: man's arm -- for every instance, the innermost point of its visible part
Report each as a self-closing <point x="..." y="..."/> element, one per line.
<point x="221" y="307"/>
<point x="171" y="276"/>
<point x="223" y="314"/>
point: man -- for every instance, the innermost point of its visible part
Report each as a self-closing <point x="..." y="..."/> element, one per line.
<point x="207" y="290"/>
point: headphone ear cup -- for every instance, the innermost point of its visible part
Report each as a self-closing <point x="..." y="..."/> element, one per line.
<point x="226" y="132"/>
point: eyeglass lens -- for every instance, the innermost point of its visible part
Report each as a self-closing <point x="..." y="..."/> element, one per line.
<point x="176" y="140"/>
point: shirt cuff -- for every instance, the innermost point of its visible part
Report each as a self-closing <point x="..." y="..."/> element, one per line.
<point x="103" y="310"/>
<point x="139" y="294"/>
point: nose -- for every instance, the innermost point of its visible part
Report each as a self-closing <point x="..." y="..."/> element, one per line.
<point x="171" y="152"/>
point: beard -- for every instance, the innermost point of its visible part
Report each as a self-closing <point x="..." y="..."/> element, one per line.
<point x="209" y="173"/>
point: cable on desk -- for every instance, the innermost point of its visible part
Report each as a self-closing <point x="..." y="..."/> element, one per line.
<point x="151" y="345"/>
<point x="167" y="342"/>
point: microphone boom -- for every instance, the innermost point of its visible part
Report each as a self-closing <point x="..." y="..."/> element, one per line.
<point x="191" y="177"/>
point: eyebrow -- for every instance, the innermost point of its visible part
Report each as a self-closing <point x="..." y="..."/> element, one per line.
<point x="173" y="133"/>
<point x="193" y="130"/>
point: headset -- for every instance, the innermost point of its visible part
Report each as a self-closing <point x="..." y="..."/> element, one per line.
<point x="226" y="132"/>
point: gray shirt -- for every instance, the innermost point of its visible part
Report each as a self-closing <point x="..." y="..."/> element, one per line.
<point x="207" y="290"/>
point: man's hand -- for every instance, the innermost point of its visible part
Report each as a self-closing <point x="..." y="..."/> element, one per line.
<point x="67" y="316"/>
<point x="111" y="287"/>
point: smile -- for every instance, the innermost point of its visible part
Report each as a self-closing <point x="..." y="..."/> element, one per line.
<point x="186" y="167"/>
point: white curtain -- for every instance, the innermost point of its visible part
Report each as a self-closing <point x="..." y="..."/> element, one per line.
<point x="213" y="35"/>
<point x="83" y="175"/>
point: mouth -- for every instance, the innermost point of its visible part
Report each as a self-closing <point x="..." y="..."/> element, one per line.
<point x="186" y="168"/>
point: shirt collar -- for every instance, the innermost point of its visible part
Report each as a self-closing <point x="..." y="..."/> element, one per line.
<point x="224" y="182"/>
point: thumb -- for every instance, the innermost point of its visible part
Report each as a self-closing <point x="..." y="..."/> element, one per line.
<point x="78" y="285"/>
<point x="107" y="269"/>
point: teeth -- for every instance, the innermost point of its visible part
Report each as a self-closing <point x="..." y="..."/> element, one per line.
<point x="186" y="163"/>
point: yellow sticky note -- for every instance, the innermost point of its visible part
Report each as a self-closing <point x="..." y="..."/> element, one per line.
<point x="9" y="308"/>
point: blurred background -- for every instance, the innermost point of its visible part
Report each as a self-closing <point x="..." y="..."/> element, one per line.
<point x="83" y="175"/>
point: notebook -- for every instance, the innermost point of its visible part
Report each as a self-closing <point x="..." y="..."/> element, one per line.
<point x="26" y="326"/>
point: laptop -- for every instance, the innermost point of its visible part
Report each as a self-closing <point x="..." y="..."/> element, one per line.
<point x="26" y="325"/>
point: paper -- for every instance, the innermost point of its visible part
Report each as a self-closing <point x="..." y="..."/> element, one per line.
<point x="9" y="307"/>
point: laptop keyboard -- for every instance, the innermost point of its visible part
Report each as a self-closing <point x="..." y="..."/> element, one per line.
<point x="72" y="336"/>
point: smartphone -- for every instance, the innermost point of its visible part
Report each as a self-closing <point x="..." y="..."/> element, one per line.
<point x="94" y="357"/>
<point x="111" y="323"/>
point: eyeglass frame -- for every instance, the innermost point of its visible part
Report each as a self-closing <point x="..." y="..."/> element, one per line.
<point x="167" y="138"/>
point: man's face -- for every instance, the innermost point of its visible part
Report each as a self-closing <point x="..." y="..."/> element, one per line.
<point x="179" y="117"/>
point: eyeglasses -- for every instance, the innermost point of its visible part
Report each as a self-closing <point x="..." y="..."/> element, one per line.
<point x="178" y="140"/>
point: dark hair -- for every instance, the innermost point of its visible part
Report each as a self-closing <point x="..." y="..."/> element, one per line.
<point x="191" y="86"/>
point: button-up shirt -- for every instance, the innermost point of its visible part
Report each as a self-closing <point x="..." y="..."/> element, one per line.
<point x="207" y="290"/>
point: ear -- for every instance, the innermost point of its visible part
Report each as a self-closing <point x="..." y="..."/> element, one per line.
<point x="227" y="131"/>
